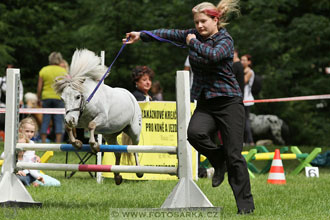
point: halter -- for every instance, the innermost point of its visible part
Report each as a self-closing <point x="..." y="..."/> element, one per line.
<point x="80" y="108"/>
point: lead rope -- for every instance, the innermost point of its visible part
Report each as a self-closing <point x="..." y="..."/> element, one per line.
<point x="121" y="49"/>
<point x="162" y="39"/>
<point x="105" y="75"/>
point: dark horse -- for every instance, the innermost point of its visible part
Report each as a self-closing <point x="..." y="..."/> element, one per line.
<point x="269" y="127"/>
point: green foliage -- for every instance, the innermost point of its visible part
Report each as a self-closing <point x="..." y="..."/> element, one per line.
<point x="33" y="30"/>
<point x="288" y="40"/>
<point x="289" y="43"/>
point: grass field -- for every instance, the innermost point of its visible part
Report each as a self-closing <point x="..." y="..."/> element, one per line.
<point x="80" y="197"/>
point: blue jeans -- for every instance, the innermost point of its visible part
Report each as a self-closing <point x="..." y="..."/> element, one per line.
<point x="58" y="120"/>
<point x="26" y="180"/>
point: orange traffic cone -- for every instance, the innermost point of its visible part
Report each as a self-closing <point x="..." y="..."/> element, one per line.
<point x="276" y="173"/>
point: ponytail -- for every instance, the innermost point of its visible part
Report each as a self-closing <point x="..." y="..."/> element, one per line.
<point x="227" y="7"/>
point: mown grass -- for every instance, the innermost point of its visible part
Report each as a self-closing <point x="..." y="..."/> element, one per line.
<point x="80" y="197"/>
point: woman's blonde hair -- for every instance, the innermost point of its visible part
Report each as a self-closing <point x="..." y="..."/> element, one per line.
<point x="28" y="120"/>
<point x="222" y="10"/>
<point x="55" y="58"/>
<point x="65" y="65"/>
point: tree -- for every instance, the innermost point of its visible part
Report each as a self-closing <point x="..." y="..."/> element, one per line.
<point x="33" y="29"/>
<point x="288" y="41"/>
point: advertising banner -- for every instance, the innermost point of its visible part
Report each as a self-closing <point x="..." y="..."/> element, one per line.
<point x="158" y="128"/>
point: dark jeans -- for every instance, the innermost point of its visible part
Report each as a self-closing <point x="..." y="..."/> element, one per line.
<point x="26" y="180"/>
<point x="2" y="121"/>
<point x="58" y="120"/>
<point x="227" y="115"/>
<point x="248" y="137"/>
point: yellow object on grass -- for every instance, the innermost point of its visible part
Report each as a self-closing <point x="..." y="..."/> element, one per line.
<point x="270" y="156"/>
<point x="45" y="158"/>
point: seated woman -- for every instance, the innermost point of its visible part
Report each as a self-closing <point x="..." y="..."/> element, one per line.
<point x="142" y="78"/>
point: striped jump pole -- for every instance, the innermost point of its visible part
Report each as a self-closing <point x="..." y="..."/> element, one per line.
<point x="103" y="148"/>
<point x="283" y="156"/>
<point x="97" y="168"/>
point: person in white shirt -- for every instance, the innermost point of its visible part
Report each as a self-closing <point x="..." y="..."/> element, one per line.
<point x="246" y="61"/>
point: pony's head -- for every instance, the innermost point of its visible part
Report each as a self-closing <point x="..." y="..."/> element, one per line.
<point x="85" y="64"/>
<point x="74" y="105"/>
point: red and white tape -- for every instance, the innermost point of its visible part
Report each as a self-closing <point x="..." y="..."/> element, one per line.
<point x="298" y="98"/>
<point x="58" y="111"/>
<point x="61" y="111"/>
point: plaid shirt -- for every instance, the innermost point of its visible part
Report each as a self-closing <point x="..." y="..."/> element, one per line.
<point x="211" y="61"/>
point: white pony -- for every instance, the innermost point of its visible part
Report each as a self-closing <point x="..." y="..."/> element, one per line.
<point x="110" y="111"/>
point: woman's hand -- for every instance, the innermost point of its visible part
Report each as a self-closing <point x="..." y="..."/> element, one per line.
<point x="189" y="37"/>
<point x="133" y="37"/>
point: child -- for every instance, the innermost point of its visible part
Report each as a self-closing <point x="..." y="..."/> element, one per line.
<point x="28" y="127"/>
<point x="27" y="176"/>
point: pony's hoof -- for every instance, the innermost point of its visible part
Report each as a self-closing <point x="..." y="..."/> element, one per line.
<point x="95" y="147"/>
<point x="77" y="144"/>
<point x="118" y="179"/>
<point x="140" y="175"/>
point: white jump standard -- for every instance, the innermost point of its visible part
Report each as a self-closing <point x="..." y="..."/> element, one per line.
<point x="12" y="190"/>
<point x="186" y="193"/>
